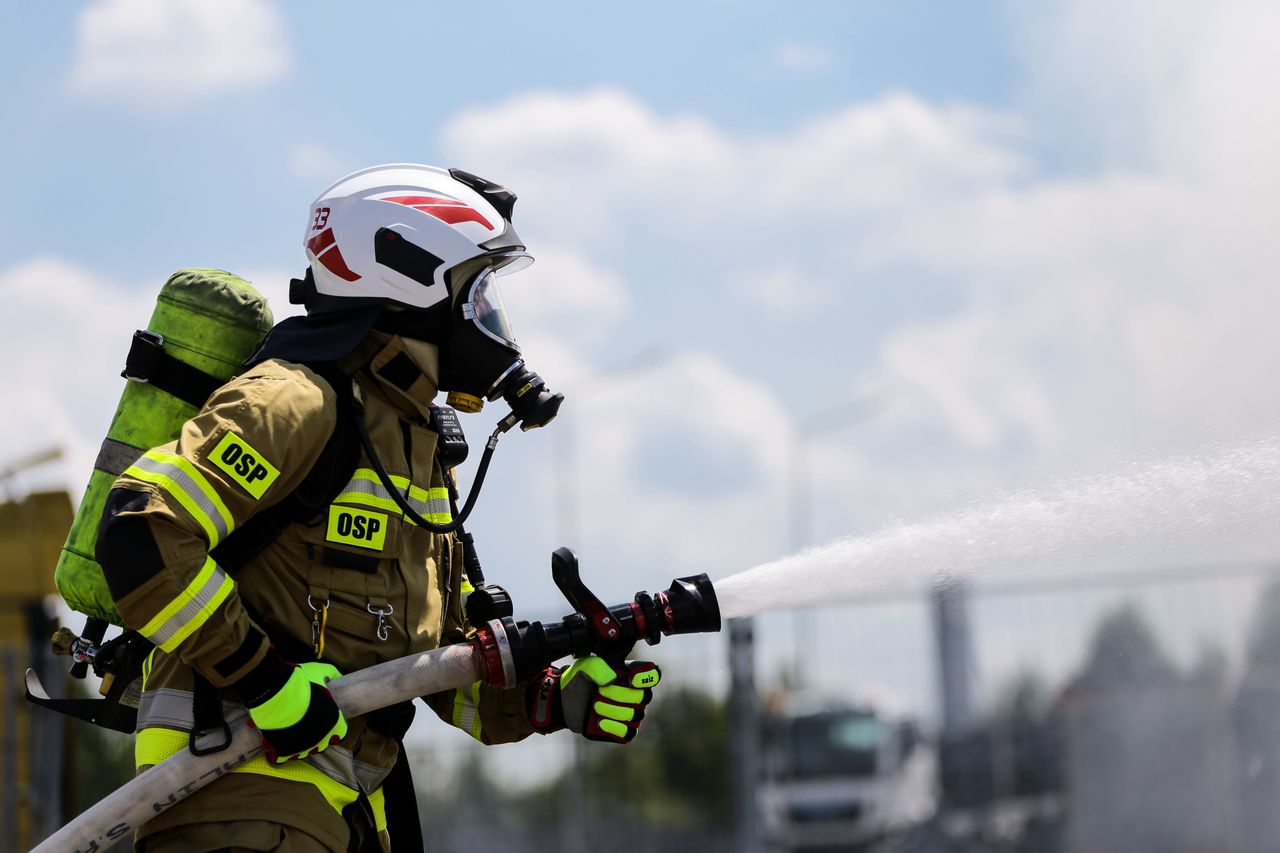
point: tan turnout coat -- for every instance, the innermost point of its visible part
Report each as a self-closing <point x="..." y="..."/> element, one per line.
<point x="252" y="444"/>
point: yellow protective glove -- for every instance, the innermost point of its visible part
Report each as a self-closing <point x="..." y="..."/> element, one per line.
<point x="300" y="718"/>
<point x="589" y="698"/>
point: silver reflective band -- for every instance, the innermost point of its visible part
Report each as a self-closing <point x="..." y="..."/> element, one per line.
<point x="189" y="487"/>
<point x="192" y="607"/>
<point x="365" y="489"/>
<point x="172" y="709"/>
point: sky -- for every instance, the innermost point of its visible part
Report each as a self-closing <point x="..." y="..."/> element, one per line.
<point x="803" y="270"/>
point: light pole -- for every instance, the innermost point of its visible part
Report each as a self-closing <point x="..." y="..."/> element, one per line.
<point x="801" y="486"/>
<point x="565" y="442"/>
<point x="744" y="710"/>
<point x="573" y="837"/>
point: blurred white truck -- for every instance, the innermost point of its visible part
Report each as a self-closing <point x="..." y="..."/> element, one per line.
<point x="842" y="777"/>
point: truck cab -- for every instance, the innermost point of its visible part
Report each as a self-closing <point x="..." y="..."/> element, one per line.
<point x="842" y="776"/>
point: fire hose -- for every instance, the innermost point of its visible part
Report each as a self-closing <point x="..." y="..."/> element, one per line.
<point x="504" y="653"/>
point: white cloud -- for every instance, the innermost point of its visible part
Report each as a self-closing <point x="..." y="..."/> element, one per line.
<point x="1176" y="86"/>
<point x="163" y="53"/>
<point x="74" y="334"/>
<point x="1129" y="304"/>
<point x="803" y="58"/>
<point x="700" y="486"/>
<point x="313" y="161"/>
<point x="783" y="288"/>
<point x="1123" y="307"/>
<point x="946" y="368"/>
<point x="585" y="163"/>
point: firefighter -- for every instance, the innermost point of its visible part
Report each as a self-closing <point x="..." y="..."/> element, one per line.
<point x="402" y="302"/>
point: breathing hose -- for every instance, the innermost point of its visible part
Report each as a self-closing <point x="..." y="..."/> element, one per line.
<point x="402" y="502"/>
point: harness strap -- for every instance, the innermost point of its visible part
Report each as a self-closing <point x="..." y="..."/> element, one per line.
<point x="149" y="362"/>
<point x="206" y="713"/>
<point x="325" y="480"/>
<point x="115" y="456"/>
<point x="401" y="805"/>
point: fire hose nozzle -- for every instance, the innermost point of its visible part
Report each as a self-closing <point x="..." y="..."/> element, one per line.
<point x="691" y="606"/>
<point x="513" y="652"/>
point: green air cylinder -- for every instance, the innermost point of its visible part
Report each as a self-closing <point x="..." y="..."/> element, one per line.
<point x="209" y="319"/>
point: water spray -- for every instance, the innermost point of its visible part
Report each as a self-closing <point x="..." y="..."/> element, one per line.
<point x="505" y="653"/>
<point x="1225" y="497"/>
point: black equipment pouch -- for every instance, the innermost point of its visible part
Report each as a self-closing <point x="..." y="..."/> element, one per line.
<point x="451" y="443"/>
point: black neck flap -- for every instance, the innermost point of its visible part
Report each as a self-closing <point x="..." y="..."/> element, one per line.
<point x="318" y="338"/>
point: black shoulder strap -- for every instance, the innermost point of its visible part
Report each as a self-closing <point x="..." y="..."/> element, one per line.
<point x="331" y="471"/>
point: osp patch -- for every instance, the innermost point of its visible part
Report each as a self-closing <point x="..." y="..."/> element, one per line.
<point x="239" y="461"/>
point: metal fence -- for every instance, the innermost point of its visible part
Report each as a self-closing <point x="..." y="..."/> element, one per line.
<point x="1129" y="711"/>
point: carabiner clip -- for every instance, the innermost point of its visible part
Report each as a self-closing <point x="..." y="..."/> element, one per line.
<point x="319" y="619"/>
<point x="382" y="615"/>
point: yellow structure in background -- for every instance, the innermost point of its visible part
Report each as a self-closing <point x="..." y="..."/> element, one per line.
<point x="32" y="531"/>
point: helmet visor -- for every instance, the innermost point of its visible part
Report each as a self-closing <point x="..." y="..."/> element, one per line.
<point x="484" y="307"/>
<point x="509" y="262"/>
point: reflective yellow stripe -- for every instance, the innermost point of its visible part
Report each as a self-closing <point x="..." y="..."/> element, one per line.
<point x="339" y="796"/>
<point x="190" y="609"/>
<point x="156" y="744"/>
<point x="366" y="489"/>
<point x="184" y="483"/>
<point x="146" y="667"/>
<point x="361" y="499"/>
<point x="459" y="702"/>
<point x="378" y="802"/>
<point x="475" y="700"/>
<point x="466" y="710"/>
<point x="436" y="496"/>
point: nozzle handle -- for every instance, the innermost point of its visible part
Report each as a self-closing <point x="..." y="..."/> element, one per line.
<point x="613" y="645"/>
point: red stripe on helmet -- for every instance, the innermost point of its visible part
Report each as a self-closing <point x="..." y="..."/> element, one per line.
<point x="336" y="264"/>
<point x="321" y="241"/>
<point x="414" y="200"/>
<point x="446" y="210"/>
<point x="324" y="247"/>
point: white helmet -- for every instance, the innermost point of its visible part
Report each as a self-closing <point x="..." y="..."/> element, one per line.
<point x="388" y="243"/>
<point x="394" y="233"/>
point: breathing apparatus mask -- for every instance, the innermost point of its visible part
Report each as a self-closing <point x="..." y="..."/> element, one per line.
<point x="479" y="360"/>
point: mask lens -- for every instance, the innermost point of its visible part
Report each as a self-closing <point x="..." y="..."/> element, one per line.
<point x="488" y="312"/>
